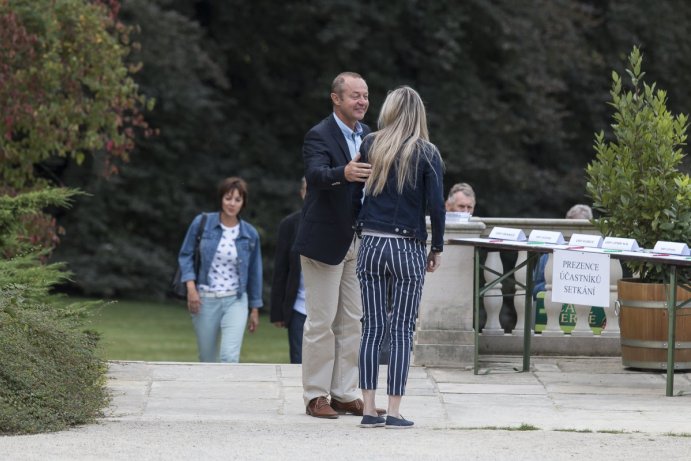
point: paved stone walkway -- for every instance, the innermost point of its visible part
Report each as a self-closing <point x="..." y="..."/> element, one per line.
<point x="567" y="408"/>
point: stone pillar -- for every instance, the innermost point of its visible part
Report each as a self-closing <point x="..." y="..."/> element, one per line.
<point x="519" y="298"/>
<point x="615" y="273"/>
<point x="493" y="299"/>
<point x="444" y="335"/>
<point x="582" y="327"/>
<point x="552" y="309"/>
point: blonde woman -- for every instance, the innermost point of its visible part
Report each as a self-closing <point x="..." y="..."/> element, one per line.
<point x="406" y="181"/>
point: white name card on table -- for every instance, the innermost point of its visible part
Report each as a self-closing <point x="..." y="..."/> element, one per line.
<point x="673" y="248"/>
<point x="618" y="243"/>
<point x="586" y="240"/>
<point x="544" y="236"/>
<point x="580" y="278"/>
<point x="507" y="233"/>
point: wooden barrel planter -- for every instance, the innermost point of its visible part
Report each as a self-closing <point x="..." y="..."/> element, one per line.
<point x="644" y="326"/>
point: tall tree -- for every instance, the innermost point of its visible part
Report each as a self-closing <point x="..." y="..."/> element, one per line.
<point x="514" y="91"/>
<point x="66" y="90"/>
<point x="123" y="239"/>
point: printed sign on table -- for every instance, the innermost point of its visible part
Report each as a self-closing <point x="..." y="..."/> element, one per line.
<point x="544" y="236"/>
<point x="580" y="278"/>
<point x="507" y="233"/>
<point x="586" y="240"/>
<point x="621" y="244"/>
<point x="673" y="248"/>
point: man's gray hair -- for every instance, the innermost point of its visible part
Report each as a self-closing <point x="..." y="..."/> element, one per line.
<point x="462" y="187"/>
<point x="579" y="211"/>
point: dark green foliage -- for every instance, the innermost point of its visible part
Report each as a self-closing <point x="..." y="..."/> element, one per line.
<point x="66" y="89"/>
<point x="51" y="377"/>
<point x="66" y="92"/>
<point x="14" y="208"/>
<point x="514" y="91"/>
<point x="635" y="180"/>
<point x="124" y="239"/>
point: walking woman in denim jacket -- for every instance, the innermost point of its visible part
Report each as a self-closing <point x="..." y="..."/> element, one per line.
<point x="230" y="275"/>
<point x="406" y="181"/>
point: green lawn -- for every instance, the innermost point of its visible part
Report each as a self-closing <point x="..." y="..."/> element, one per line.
<point x="135" y="330"/>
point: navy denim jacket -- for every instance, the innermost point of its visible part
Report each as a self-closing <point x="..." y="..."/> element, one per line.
<point x="404" y="214"/>
<point x="249" y="256"/>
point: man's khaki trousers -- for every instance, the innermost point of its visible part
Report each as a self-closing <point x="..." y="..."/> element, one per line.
<point x="331" y="339"/>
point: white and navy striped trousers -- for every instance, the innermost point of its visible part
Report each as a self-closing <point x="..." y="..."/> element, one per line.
<point x="391" y="272"/>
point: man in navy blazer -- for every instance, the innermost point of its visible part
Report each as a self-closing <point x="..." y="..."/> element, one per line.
<point x="288" y="286"/>
<point x="328" y="252"/>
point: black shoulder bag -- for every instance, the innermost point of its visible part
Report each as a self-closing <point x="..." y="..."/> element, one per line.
<point x="178" y="288"/>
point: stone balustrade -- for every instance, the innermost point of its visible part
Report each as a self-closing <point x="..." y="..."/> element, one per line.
<point x="444" y="334"/>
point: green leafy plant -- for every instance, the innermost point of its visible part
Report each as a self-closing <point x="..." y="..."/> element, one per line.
<point x="67" y="90"/>
<point x="635" y="181"/>
<point x="19" y="209"/>
<point x="50" y="375"/>
<point x="67" y="94"/>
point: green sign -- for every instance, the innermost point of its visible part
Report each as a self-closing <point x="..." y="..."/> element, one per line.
<point x="567" y="318"/>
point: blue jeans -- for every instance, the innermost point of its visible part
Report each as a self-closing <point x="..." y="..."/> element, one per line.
<point x="386" y="267"/>
<point x="295" y="330"/>
<point x="227" y="315"/>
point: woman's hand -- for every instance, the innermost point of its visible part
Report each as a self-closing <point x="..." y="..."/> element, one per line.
<point x="254" y="320"/>
<point x="433" y="261"/>
<point x="194" y="302"/>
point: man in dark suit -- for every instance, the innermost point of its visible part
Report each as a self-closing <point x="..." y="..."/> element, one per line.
<point x="288" y="286"/>
<point x="328" y="252"/>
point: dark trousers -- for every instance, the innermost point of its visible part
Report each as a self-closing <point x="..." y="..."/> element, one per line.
<point x="295" y="328"/>
<point x="398" y="265"/>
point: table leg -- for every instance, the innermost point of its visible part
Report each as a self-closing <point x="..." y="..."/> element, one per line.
<point x="671" y="325"/>
<point x="476" y="306"/>
<point x="528" y="321"/>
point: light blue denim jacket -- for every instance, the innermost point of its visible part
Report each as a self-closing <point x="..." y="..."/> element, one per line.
<point x="249" y="256"/>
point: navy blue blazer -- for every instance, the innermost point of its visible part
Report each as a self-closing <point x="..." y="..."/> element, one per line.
<point x="328" y="216"/>
<point x="286" y="279"/>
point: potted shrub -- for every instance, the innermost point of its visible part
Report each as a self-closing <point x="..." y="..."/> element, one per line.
<point x="637" y="186"/>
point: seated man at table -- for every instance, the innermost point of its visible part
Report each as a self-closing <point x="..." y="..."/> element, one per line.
<point x="461" y="198"/>
<point x="578" y="211"/>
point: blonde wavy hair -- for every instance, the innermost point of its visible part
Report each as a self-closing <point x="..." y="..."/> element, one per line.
<point x="402" y="130"/>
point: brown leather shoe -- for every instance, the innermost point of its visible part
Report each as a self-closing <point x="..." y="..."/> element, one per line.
<point x="319" y="408"/>
<point x="354" y="408"/>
